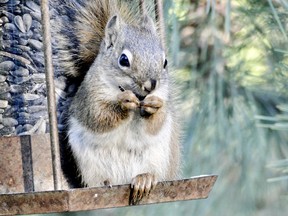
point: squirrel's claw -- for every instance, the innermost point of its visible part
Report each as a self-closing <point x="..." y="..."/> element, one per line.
<point x="141" y="186"/>
<point x="107" y="183"/>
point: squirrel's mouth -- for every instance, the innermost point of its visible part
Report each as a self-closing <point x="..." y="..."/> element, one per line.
<point x="139" y="96"/>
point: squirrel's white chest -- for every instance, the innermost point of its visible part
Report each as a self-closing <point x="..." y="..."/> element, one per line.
<point x="121" y="154"/>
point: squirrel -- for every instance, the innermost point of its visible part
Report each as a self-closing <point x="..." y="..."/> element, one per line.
<point x="122" y="126"/>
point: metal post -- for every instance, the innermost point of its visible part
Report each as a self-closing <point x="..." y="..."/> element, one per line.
<point x="51" y="94"/>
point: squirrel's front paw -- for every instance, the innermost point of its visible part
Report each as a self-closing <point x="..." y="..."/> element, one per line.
<point x="150" y="105"/>
<point x="128" y="100"/>
<point x="141" y="186"/>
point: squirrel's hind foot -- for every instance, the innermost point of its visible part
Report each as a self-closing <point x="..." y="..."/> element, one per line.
<point x="107" y="183"/>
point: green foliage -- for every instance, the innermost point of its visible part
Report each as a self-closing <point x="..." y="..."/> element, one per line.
<point x="232" y="64"/>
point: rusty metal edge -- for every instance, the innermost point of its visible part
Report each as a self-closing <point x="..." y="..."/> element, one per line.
<point x="34" y="202"/>
<point x="103" y="197"/>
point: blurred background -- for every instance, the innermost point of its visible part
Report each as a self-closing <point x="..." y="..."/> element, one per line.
<point x="229" y="60"/>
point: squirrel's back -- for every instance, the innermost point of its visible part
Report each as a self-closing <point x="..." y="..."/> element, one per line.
<point x="79" y="29"/>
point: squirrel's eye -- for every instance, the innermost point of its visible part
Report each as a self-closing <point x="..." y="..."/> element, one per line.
<point x="165" y="63"/>
<point x="124" y="61"/>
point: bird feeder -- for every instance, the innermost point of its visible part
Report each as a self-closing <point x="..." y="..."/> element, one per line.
<point x="31" y="178"/>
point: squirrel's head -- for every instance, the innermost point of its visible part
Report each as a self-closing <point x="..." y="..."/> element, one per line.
<point x="135" y="55"/>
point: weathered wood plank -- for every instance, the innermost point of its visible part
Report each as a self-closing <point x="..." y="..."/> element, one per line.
<point x="11" y="169"/>
<point x="26" y="164"/>
<point x="42" y="162"/>
<point x="103" y="197"/>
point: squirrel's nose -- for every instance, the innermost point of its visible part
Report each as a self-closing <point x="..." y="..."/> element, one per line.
<point x="149" y="85"/>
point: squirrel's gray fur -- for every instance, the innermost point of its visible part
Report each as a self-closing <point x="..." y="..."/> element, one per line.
<point x="123" y="126"/>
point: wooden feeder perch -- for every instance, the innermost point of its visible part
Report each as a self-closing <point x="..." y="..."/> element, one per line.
<point x="27" y="181"/>
<point x="27" y="184"/>
<point x="31" y="179"/>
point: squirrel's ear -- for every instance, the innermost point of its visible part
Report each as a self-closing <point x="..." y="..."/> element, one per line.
<point x="112" y="30"/>
<point x="148" y="23"/>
